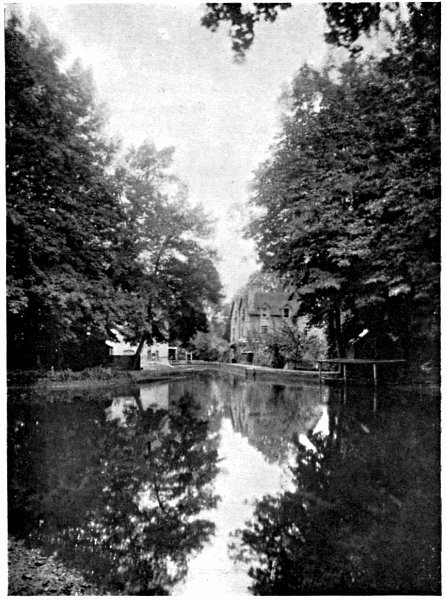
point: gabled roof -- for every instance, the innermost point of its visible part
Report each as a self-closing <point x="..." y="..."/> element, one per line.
<point x="274" y="300"/>
<point x="253" y="300"/>
<point x="238" y="302"/>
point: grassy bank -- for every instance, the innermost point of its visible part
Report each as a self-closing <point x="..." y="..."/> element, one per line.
<point x="98" y="376"/>
<point x="108" y="376"/>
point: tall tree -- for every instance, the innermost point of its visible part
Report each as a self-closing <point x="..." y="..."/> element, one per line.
<point x="90" y="246"/>
<point x="62" y="209"/>
<point x="177" y="280"/>
<point x="351" y="194"/>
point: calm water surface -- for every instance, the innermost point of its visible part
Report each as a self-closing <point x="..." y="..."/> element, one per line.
<point x="221" y="485"/>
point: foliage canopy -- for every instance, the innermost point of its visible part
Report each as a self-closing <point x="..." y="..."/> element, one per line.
<point x="351" y="192"/>
<point x="91" y="246"/>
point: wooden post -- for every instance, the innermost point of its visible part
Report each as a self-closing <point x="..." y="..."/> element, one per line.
<point x="375" y="374"/>
<point x="319" y="362"/>
<point x="344" y="373"/>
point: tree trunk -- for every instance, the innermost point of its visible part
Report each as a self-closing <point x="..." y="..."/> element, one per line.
<point x="144" y="337"/>
<point x="338" y="333"/>
<point x="138" y="352"/>
<point x="331" y="335"/>
<point x="336" y="347"/>
<point x="139" y="403"/>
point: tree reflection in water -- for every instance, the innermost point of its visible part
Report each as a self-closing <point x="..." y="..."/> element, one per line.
<point x="365" y="514"/>
<point x="119" y="501"/>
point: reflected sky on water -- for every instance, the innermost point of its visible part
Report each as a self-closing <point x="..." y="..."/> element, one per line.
<point x="143" y="489"/>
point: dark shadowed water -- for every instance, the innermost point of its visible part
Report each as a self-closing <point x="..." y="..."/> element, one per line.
<point x="221" y="485"/>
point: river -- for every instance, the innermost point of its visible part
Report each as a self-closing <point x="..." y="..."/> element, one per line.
<point x="218" y="485"/>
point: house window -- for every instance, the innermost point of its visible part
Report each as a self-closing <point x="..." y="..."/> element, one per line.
<point x="264" y="329"/>
<point x="264" y="319"/>
<point x="286" y="312"/>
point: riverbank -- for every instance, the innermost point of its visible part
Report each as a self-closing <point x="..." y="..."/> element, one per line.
<point x="98" y="377"/>
<point x="30" y="573"/>
<point x="107" y="377"/>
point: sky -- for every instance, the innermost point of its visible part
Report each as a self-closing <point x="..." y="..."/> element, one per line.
<point x="166" y="78"/>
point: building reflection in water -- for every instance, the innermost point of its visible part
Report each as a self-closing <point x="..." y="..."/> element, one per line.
<point x="255" y="450"/>
<point x="147" y="396"/>
<point x="271" y="416"/>
<point x="142" y="491"/>
<point x="364" y="515"/>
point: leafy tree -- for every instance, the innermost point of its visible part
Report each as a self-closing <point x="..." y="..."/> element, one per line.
<point x="294" y="344"/>
<point x="351" y="192"/>
<point x="291" y="343"/>
<point x="211" y="345"/>
<point x="176" y="280"/>
<point x="220" y="322"/>
<point x="62" y="209"/>
<point x="241" y="20"/>
<point x="268" y="281"/>
<point x="347" y="21"/>
<point x="204" y="346"/>
<point x="90" y="246"/>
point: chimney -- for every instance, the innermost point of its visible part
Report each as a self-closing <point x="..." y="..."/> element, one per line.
<point x="252" y="290"/>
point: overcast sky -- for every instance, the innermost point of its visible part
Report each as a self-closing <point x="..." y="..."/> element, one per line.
<point x="165" y="77"/>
